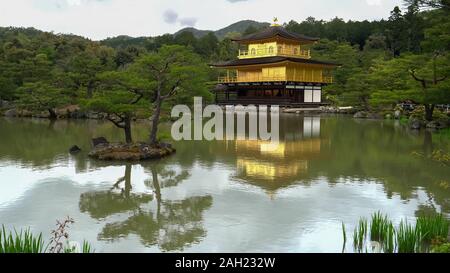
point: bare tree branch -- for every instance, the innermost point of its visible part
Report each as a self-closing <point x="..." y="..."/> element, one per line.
<point x="422" y="81"/>
<point x="441" y="79"/>
<point x="117" y="123"/>
<point x="172" y="91"/>
<point x="139" y="97"/>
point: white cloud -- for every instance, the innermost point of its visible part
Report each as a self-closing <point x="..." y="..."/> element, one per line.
<point x="189" y="22"/>
<point x="99" y="19"/>
<point x="373" y="2"/>
<point x="73" y="2"/>
<point x="170" y="16"/>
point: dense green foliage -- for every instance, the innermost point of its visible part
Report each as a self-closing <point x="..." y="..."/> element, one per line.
<point x="383" y="62"/>
<point x="43" y="72"/>
<point x="386" y="62"/>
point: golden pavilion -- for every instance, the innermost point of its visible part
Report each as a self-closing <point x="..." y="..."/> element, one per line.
<point x="274" y="67"/>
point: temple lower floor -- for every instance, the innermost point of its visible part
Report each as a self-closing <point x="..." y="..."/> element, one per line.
<point x="293" y="95"/>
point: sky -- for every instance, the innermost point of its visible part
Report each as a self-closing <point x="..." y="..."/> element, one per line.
<point x="100" y="19"/>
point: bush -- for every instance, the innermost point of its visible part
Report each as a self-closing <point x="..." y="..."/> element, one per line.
<point x="418" y="113"/>
<point x="440" y="116"/>
<point x="444" y="248"/>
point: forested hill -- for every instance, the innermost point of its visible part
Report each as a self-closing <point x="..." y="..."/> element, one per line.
<point x="401" y="26"/>
<point x="405" y="56"/>
<point x="197" y="32"/>
<point x="236" y="29"/>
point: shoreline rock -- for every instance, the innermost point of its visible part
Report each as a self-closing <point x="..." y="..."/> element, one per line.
<point x="415" y="124"/>
<point x="367" y="115"/>
<point x="320" y="110"/>
<point x="130" y="152"/>
<point x="74" y="149"/>
<point x="67" y="112"/>
<point x="99" y="141"/>
<point x="437" y="125"/>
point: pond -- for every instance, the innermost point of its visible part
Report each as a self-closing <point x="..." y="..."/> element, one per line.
<point x="221" y="196"/>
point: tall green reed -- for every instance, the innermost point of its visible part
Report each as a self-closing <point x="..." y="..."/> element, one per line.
<point x="388" y="243"/>
<point x="344" y="234"/>
<point x="409" y="238"/>
<point x="20" y="242"/>
<point x="87" y="248"/>
<point x="360" y="235"/>
<point x="379" y="227"/>
<point x="433" y="227"/>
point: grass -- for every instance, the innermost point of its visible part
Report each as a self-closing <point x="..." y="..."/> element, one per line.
<point x="20" y="242"/>
<point x="86" y="248"/>
<point x="444" y="133"/>
<point x="407" y="238"/>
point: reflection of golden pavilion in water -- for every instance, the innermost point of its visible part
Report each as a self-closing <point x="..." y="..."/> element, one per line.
<point x="272" y="168"/>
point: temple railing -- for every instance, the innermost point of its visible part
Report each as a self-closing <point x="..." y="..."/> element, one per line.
<point x="317" y="79"/>
<point x="270" y="52"/>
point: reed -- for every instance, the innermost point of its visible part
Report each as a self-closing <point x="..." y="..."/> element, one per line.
<point x="409" y="238"/>
<point x="389" y="238"/>
<point x="26" y="242"/>
<point x="432" y="227"/>
<point x="379" y="227"/>
<point x="20" y="242"/>
<point x="428" y="233"/>
<point x="87" y="248"/>
<point x="360" y="235"/>
<point x="344" y="233"/>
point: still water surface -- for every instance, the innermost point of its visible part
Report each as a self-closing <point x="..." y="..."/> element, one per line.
<point x="222" y="196"/>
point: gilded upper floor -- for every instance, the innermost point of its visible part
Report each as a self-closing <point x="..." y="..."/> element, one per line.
<point x="275" y="55"/>
<point x="274" y="41"/>
<point x="273" y="49"/>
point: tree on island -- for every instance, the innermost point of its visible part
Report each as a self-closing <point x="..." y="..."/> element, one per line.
<point x="172" y="72"/>
<point x="121" y="95"/>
